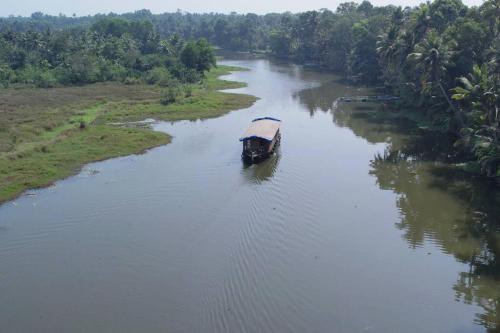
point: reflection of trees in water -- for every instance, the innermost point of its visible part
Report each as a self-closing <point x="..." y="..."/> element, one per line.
<point x="323" y="96"/>
<point x="440" y="204"/>
<point x="319" y="98"/>
<point x="437" y="203"/>
<point x="360" y="119"/>
<point x="480" y="284"/>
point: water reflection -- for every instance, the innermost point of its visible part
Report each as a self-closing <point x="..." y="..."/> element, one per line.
<point x="261" y="172"/>
<point x="419" y="170"/>
<point x="465" y="224"/>
<point x="481" y="202"/>
<point x="322" y="97"/>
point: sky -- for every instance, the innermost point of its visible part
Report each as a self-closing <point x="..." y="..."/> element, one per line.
<point x="89" y="7"/>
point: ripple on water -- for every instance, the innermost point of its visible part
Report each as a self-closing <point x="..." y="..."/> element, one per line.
<point x="186" y="237"/>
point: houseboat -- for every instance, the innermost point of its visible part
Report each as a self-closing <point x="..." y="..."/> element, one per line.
<point x="260" y="139"/>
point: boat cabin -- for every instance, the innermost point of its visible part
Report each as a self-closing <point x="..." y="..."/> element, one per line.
<point x="260" y="139"/>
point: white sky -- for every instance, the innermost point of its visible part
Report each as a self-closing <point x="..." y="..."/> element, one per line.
<point x="68" y="7"/>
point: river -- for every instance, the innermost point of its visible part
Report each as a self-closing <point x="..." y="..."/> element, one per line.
<point x="355" y="225"/>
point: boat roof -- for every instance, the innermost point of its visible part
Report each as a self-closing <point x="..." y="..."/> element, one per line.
<point x="262" y="128"/>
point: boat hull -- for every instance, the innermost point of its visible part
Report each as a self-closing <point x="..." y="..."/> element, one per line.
<point x="257" y="157"/>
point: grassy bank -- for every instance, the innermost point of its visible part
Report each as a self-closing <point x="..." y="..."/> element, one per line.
<point x="48" y="134"/>
<point x="206" y="101"/>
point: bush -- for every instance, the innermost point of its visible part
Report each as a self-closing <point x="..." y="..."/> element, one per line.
<point x="160" y="76"/>
<point x="46" y="79"/>
<point x="6" y="75"/>
<point x="131" y="80"/>
<point x="198" y="55"/>
<point x="26" y="75"/>
<point x="150" y="61"/>
<point x="112" y="72"/>
<point x="187" y="75"/>
<point x="170" y="95"/>
<point x="83" y="68"/>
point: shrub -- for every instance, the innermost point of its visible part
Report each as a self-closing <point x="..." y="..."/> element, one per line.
<point x="83" y="68"/>
<point x="45" y="79"/>
<point x="6" y="75"/>
<point x="131" y="80"/>
<point x="160" y="76"/>
<point x="112" y="72"/>
<point x="150" y="61"/>
<point x="170" y="95"/>
<point x="27" y="75"/>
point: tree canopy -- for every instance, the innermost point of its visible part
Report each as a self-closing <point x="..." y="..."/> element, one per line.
<point x="110" y="49"/>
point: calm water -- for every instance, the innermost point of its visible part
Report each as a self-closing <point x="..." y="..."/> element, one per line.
<point x="354" y="226"/>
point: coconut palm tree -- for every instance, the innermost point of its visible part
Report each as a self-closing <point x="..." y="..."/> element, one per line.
<point x="491" y="12"/>
<point x="493" y="56"/>
<point x="387" y="44"/>
<point x="432" y="57"/>
<point x="422" y="21"/>
<point x="478" y="91"/>
<point x="398" y="16"/>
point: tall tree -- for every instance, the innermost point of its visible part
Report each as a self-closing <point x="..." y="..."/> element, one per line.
<point x="432" y="57"/>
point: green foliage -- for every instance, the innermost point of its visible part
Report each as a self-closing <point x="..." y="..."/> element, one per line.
<point x="364" y="63"/>
<point x="198" y="55"/>
<point x="111" y="49"/>
<point x="131" y="81"/>
<point x="188" y="91"/>
<point x="6" y="74"/>
<point x="160" y="76"/>
<point x="280" y="43"/>
<point x="170" y="95"/>
<point x="46" y="79"/>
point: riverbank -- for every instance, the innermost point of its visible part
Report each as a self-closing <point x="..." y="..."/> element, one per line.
<point x="48" y="134"/>
<point x="459" y="154"/>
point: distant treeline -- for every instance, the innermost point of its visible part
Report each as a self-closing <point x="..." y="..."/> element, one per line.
<point x="109" y="49"/>
<point x="441" y="58"/>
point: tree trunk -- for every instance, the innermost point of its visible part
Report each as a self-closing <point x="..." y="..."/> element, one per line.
<point x="458" y="115"/>
<point x="447" y="98"/>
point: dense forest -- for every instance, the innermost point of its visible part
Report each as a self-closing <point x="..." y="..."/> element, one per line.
<point x="441" y="58"/>
<point x="110" y="49"/>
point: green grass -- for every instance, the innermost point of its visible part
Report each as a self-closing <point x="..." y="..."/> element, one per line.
<point x="40" y="138"/>
<point x="213" y="82"/>
<point x="199" y="106"/>
<point x="87" y="116"/>
<point x="30" y="116"/>
<point x="42" y="166"/>
<point x="206" y="102"/>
